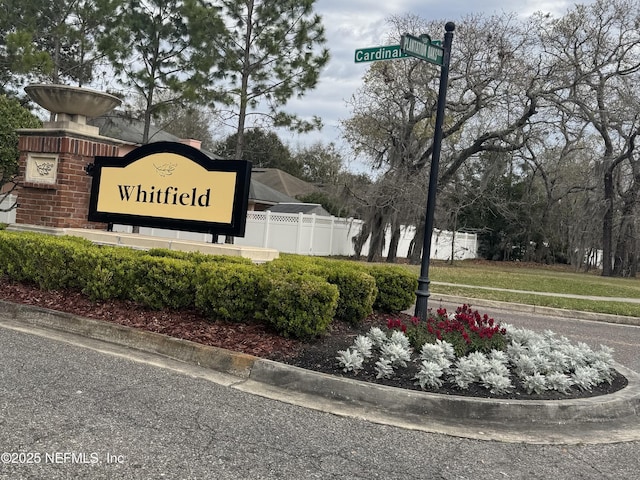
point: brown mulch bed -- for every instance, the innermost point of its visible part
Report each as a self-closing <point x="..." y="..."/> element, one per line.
<point x="254" y="338"/>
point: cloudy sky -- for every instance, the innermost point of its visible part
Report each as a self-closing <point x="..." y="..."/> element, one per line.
<point x="353" y="24"/>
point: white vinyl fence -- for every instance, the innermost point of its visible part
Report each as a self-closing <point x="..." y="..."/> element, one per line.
<point x="7" y="202"/>
<point x="465" y="245"/>
<point x="299" y="233"/>
<point x="308" y="235"/>
<point x="321" y="236"/>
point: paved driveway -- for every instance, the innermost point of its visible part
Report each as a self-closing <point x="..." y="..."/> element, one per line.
<point x="75" y="411"/>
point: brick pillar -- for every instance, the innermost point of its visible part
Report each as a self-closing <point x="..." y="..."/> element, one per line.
<point x="55" y="188"/>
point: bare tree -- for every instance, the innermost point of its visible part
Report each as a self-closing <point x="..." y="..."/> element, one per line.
<point x="593" y="53"/>
<point x="493" y="94"/>
<point x="189" y="121"/>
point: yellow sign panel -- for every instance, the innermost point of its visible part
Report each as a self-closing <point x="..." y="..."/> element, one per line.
<point x="168" y="185"/>
<point x="171" y="185"/>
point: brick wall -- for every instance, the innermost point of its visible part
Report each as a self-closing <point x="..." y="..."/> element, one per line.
<point x="64" y="204"/>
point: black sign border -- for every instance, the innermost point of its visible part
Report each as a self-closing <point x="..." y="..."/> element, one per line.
<point x="241" y="191"/>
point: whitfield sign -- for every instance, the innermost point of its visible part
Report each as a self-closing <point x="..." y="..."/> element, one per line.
<point x="174" y="186"/>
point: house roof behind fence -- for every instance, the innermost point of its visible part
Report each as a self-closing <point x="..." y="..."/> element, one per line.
<point x="307" y="208"/>
<point x="267" y="194"/>
<point x="283" y="182"/>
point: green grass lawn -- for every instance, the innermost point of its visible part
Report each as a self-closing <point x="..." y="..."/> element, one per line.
<point x="533" y="278"/>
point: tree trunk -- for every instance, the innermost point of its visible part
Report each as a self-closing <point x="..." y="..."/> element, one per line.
<point x="633" y="265"/>
<point x="360" y="239"/>
<point x="625" y="259"/>
<point x="244" y="87"/>
<point x="392" y="257"/>
<point x="415" y="250"/>
<point x="607" y="225"/>
<point x="377" y="237"/>
<point x="621" y="258"/>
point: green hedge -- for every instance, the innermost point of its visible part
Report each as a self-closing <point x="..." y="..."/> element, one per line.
<point x="163" y="282"/>
<point x="299" y="296"/>
<point x="229" y="291"/>
<point x="357" y="289"/>
<point x="106" y="272"/>
<point x="295" y="264"/>
<point x="299" y="305"/>
<point x="197" y="257"/>
<point x="12" y="256"/>
<point x="43" y="260"/>
<point x="396" y="287"/>
<point x="357" y="293"/>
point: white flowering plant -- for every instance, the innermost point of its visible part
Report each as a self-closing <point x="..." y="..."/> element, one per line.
<point x="536" y="363"/>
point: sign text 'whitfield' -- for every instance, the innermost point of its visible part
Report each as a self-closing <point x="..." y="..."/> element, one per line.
<point x="166" y="196"/>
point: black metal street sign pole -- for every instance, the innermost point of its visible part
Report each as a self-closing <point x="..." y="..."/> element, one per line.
<point x="422" y="294"/>
<point x="424" y="48"/>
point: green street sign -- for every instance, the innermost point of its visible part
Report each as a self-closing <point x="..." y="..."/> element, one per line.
<point x="422" y="48"/>
<point x="375" y="54"/>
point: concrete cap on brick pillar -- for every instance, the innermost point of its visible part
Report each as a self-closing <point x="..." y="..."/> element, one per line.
<point x="72" y="105"/>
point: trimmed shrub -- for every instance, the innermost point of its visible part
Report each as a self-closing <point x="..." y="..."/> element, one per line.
<point x="229" y="291"/>
<point x="40" y="259"/>
<point x="163" y="282"/>
<point x="12" y="254"/>
<point x="298" y="295"/>
<point x="357" y="292"/>
<point x="300" y="306"/>
<point x="357" y="289"/>
<point x="289" y="263"/>
<point x="396" y="288"/>
<point x="197" y="257"/>
<point x="106" y="272"/>
<point x="60" y="271"/>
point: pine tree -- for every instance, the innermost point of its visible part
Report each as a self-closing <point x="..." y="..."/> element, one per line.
<point x="276" y="52"/>
<point x="164" y="51"/>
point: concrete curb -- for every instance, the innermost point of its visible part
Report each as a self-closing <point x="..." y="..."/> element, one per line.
<point x="471" y="410"/>
<point x="218" y="359"/>
<point x="603" y="419"/>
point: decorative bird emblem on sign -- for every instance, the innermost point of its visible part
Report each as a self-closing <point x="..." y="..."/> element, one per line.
<point x="165" y="170"/>
<point x="44" y="168"/>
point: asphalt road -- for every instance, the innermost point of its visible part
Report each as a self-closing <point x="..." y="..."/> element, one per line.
<point x="69" y="411"/>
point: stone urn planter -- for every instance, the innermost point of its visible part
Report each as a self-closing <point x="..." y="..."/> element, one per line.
<point x="71" y="105"/>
